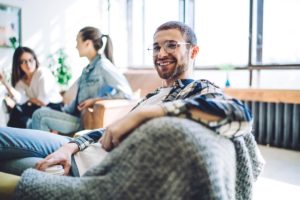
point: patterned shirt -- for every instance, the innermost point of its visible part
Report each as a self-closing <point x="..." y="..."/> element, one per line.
<point x="187" y="94"/>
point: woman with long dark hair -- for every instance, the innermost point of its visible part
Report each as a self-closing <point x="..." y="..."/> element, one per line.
<point x="32" y="87"/>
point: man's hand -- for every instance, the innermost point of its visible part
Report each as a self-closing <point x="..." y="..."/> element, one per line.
<point x="61" y="156"/>
<point x="85" y="104"/>
<point x="116" y="132"/>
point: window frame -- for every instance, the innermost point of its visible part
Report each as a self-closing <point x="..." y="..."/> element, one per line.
<point x="187" y="15"/>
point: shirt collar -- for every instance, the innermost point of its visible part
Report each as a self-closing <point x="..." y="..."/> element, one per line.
<point x="182" y="83"/>
<point x="93" y="63"/>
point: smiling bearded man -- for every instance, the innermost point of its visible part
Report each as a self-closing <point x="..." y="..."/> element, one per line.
<point x="171" y="51"/>
<point x="148" y="158"/>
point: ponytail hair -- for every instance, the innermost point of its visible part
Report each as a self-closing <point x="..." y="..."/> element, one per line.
<point x="108" y="49"/>
<point x="94" y="34"/>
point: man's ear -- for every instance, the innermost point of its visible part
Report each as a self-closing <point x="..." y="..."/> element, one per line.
<point x="195" y="51"/>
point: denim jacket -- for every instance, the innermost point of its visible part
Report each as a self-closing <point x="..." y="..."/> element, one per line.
<point x="99" y="79"/>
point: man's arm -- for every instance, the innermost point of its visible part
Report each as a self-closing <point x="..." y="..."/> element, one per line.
<point x="206" y="104"/>
<point x="61" y="156"/>
<point x="234" y="117"/>
<point x="116" y="132"/>
<point x="87" y="139"/>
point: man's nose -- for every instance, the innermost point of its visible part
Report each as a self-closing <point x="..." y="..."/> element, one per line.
<point x="162" y="53"/>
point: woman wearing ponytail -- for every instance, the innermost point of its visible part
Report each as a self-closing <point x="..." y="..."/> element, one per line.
<point x="100" y="79"/>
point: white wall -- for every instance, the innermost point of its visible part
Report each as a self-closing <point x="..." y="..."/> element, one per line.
<point x="48" y="25"/>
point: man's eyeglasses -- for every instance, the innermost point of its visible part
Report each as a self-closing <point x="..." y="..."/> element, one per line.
<point x="169" y="47"/>
<point x="23" y="62"/>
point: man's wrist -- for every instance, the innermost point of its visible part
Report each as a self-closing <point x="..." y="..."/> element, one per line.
<point x="151" y="112"/>
<point x="72" y="147"/>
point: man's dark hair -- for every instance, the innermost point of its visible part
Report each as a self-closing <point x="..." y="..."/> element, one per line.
<point x="184" y="29"/>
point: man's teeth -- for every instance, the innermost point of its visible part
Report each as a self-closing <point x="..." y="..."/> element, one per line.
<point x="164" y="63"/>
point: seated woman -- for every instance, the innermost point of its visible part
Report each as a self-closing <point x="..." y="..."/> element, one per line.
<point x="32" y="87"/>
<point x="100" y="79"/>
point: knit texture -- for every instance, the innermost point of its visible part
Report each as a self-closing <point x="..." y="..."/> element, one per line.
<point x="166" y="158"/>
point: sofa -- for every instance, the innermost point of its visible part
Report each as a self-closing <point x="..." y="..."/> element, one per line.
<point x="165" y="158"/>
<point x="104" y="112"/>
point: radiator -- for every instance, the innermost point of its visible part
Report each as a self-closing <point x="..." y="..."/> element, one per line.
<point x="276" y="124"/>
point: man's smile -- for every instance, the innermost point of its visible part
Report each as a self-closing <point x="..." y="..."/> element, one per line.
<point x="163" y="63"/>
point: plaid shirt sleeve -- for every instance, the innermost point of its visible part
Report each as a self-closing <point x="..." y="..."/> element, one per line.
<point x="91" y="137"/>
<point x="236" y="118"/>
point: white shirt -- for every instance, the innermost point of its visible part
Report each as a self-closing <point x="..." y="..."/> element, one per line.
<point x="156" y="99"/>
<point x="43" y="86"/>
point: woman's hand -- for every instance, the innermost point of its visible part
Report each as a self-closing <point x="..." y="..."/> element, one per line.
<point x="62" y="156"/>
<point x="9" y="89"/>
<point x="2" y="79"/>
<point x="116" y="132"/>
<point x="36" y="102"/>
<point x="86" y="103"/>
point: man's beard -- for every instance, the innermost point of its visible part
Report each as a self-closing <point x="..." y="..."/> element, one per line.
<point x="174" y="75"/>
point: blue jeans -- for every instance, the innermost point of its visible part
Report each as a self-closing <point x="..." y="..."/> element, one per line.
<point x="47" y="119"/>
<point x="22" y="148"/>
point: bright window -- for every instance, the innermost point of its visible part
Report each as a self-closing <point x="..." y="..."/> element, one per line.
<point x="145" y="19"/>
<point x="281" y="32"/>
<point x="222" y="29"/>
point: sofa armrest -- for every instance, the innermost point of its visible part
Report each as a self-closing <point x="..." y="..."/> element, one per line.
<point x="104" y="112"/>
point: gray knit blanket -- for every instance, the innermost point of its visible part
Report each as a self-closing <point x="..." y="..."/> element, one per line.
<point x="165" y="158"/>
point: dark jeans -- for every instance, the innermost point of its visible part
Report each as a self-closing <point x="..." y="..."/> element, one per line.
<point x="20" y="115"/>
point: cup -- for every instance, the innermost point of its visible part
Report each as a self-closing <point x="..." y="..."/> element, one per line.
<point x="55" y="170"/>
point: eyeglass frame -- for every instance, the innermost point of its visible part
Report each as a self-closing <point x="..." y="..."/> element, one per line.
<point x="156" y="52"/>
<point x="30" y="60"/>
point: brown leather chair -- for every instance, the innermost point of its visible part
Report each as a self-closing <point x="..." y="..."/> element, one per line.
<point x="105" y="112"/>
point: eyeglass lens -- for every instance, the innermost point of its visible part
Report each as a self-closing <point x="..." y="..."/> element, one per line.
<point x="168" y="46"/>
<point x="22" y="62"/>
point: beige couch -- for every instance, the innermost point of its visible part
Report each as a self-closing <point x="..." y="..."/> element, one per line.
<point x="105" y="112"/>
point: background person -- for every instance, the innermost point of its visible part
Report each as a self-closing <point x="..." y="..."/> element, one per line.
<point x="100" y="79"/>
<point x="32" y="87"/>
